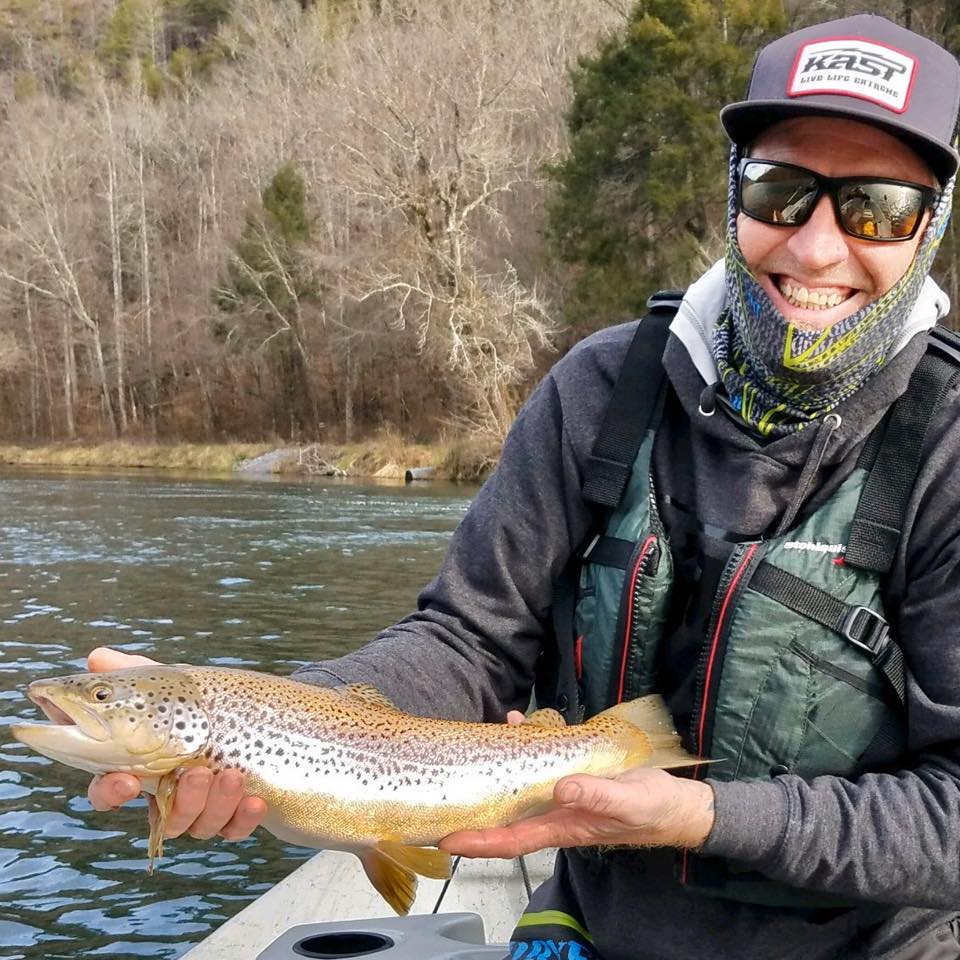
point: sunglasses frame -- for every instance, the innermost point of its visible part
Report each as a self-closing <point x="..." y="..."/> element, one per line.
<point x="831" y="187"/>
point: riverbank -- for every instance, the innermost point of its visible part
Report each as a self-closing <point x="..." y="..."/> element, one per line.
<point x="384" y="457"/>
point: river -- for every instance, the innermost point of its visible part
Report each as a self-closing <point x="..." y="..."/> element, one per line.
<point x="261" y="574"/>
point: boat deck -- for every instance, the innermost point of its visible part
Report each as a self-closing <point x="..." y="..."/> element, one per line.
<point x="332" y="886"/>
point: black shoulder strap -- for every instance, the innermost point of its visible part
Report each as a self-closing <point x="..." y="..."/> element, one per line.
<point x="633" y="407"/>
<point x="878" y="521"/>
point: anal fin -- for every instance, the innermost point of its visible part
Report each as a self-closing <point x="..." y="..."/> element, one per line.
<point x="427" y="861"/>
<point x="395" y="883"/>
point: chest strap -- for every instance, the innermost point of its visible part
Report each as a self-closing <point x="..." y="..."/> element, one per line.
<point x="864" y="628"/>
<point x="879" y="519"/>
<point x="634" y="407"/>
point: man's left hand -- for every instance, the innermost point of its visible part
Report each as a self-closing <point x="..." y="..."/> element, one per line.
<point x="643" y="807"/>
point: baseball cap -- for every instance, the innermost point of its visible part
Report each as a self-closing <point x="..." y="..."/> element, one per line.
<point x="865" y="68"/>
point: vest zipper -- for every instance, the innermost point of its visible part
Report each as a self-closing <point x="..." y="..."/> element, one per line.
<point x="645" y="563"/>
<point x="708" y="671"/>
<point x="732" y="581"/>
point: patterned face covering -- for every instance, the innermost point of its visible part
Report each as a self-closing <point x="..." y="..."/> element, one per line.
<point x="780" y="377"/>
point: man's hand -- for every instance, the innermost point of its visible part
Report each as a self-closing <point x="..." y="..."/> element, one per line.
<point x="642" y="807"/>
<point x="205" y="804"/>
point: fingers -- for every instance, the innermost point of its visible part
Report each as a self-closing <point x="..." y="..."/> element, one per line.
<point x="558" y="828"/>
<point x="515" y="716"/>
<point x="111" y="790"/>
<point x="591" y="793"/>
<point x="499" y="842"/>
<point x="221" y="796"/>
<point x="207" y="805"/>
<point x="105" y="658"/>
<point x="249" y="815"/>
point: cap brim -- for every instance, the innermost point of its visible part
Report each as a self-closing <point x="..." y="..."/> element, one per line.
<point x="744" y="120"/>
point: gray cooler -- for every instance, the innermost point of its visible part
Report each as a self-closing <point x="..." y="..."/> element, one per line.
<point x="444" y="936"/>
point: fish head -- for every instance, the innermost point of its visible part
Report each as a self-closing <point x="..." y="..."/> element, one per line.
<point x="142" y="720"/>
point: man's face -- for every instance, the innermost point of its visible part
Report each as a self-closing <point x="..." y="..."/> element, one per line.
<point x="818" y="255"/>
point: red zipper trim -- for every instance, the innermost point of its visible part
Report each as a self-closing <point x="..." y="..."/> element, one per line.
<point x="715" y="642"/>
<point x="644" y="550"/>
<point x="716" y="638"/>
<point x="578" y="656"/>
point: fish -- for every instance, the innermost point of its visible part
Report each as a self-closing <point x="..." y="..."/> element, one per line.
<point x="340" y="768"/>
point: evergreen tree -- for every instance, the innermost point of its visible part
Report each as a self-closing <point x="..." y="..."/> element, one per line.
<point x="272" y="296"/>
<point x="640" y="200"/>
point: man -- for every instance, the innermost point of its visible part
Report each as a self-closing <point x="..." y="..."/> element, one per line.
<point x="801" y="492"/>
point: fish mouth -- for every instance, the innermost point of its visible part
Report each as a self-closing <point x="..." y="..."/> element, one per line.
<point x="67" y="714"/>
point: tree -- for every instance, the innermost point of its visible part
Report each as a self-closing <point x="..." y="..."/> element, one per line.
<point x="273" y="295"/>
<point x="640" y="198"/>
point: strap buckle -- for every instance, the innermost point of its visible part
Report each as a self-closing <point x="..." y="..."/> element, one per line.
<point x="865" y="628"/>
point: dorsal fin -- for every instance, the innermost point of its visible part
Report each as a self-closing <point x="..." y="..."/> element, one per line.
<point x="367" y="694"/>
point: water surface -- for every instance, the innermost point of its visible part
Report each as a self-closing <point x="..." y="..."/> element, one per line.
<point x="266" y="575"/>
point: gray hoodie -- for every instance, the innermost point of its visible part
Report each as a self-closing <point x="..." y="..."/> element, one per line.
<point x="470" y="650"/>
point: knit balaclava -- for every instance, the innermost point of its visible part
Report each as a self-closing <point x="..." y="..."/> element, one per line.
<point x="780" y="377"/>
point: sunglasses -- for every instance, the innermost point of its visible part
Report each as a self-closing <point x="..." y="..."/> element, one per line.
<point x="867" y="208"/>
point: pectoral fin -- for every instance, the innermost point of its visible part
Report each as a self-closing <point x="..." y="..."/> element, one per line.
<point x="396" y="884"/>
<point x="165" y="789"/>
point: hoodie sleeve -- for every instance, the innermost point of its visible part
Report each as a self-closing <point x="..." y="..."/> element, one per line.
<point x="886" y="837"/>
<point x="470" y="649"/>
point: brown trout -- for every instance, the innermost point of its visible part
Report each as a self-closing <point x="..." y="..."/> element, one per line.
<point x="339" y="768"/>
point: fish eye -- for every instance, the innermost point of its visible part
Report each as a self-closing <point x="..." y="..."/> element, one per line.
<point x="101" y="692"/>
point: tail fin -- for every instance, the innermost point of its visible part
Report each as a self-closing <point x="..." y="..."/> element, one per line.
<point x="645" y="727"/>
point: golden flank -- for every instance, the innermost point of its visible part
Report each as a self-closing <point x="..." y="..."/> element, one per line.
<point x="339" y="768"/>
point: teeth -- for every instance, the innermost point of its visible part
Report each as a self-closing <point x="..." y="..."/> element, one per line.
<point x="809" y="299"/>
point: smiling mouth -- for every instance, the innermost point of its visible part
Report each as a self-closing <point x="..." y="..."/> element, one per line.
<point x="811" y="298"/>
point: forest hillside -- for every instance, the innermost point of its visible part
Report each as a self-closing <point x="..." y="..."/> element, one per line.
<point x="279" y="220"/>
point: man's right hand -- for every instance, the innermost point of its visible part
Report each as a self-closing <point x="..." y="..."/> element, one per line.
<point x="205" y="805"/>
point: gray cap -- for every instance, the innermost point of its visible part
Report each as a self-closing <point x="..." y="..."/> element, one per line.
<point x="864" y="68"/>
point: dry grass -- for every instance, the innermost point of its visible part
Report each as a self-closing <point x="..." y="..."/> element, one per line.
<point x="220" y="458"/>
<point x="386" y="455"/>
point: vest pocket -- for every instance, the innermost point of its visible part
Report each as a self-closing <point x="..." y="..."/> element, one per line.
<point x="804" y="698"/>
<point x="845" y="712"/>
<point x="620" y="615"/>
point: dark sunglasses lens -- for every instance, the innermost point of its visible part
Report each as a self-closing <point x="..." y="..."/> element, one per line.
<point x="880" y="211"/>
<point x="776" y="194"/>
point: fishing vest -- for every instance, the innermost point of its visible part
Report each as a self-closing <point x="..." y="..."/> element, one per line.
<point x="799" y="671"/>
